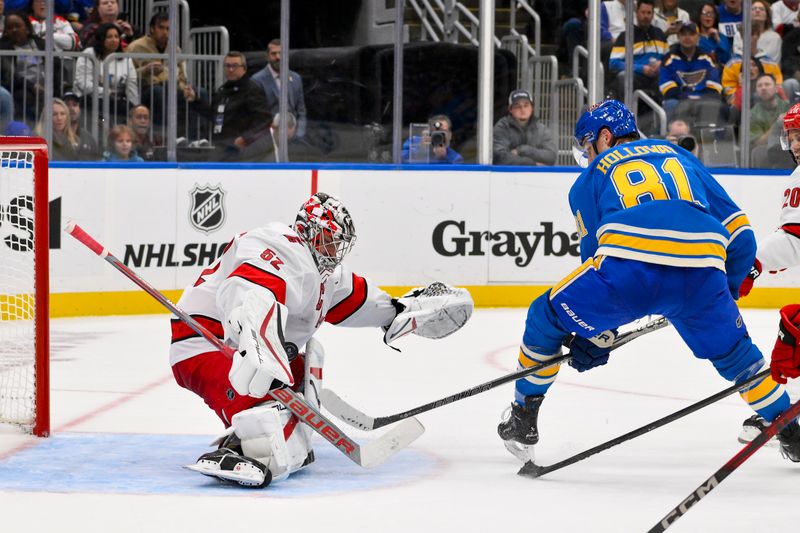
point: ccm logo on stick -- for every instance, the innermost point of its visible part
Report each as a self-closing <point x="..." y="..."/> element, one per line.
<point x="301" y="411"/>
<point x="692" y="499"/>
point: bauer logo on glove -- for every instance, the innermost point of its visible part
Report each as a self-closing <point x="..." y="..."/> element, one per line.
<point x="433" y="312"/>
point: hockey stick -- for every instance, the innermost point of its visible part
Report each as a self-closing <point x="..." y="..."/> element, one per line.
<point x="349" y="414"/>
<point x="727" y="469"/>
<point x="531" y="469"/>
<point x="367" y="455"/>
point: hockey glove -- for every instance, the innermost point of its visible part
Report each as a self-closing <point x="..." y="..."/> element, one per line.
<point x="747" y="284"/>
<point x="434" y="312"/>
<point x="589" y="353"/>
<point x="786" y="354"/>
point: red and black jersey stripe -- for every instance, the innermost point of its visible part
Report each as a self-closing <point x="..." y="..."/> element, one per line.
<point x="262" y="278"/>
<point x="352" y="303"/>
<point x="792" y="229"/>
<point x="181" y="331"/>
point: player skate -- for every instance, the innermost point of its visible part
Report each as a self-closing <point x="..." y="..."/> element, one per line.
<point x="789" y="438"/>
<point x="519" y="427"/>
<point x="751" y="428"/>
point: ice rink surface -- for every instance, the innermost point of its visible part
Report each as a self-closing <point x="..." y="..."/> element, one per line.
<point x="122" y="428"/>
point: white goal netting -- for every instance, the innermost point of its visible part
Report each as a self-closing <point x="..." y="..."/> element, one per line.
<point x="17" y="289"/>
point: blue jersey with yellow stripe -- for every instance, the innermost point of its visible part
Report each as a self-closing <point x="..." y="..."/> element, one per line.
<point x="659" y="235"/>
<point x="653" y="201"/>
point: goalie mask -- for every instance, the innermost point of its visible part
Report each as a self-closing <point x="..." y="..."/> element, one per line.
<point x="326" y="227"/>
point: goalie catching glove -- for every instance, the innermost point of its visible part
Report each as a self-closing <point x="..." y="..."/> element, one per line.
<point x="263" y="358"/>
<point x="433" y="312"/>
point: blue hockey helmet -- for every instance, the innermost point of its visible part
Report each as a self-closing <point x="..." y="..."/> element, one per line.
<point x="611" y="114"/>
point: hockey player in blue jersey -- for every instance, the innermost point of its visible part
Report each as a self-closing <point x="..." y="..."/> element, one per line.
<point x="658" y="236"/>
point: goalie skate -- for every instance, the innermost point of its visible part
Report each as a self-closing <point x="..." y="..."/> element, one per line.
<point x="229" y="466"/>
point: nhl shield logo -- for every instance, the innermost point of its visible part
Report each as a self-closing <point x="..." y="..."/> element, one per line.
<point x="207" y="211"/>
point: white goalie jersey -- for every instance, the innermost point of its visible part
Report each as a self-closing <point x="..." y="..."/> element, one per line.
<point x="275" y="261"/>
<point x="781" y="249"/>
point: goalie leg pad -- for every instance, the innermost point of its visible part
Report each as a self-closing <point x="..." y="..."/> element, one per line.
<point x="269" y="434"/>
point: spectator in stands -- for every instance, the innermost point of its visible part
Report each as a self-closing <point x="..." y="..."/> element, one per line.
<point x="730" y="19"/>
<point x="17" y="129"/>
<point x="64" y="37"/>
<point x="59" y="6"/>
<point x="765" y="40"/>
<point x="732" y="82"/>
<point x="65" y="144"/>
<point x="264" y="146"/>
<point x="87" y="149"/>
<point x="711" y="43"/>
<point x="23" y="75"/>
<point x="78" y="11"/>
<point x="790" y="60"/>
<point x="669" y="18"/>
<point x="120" y="145"/>
<point x="689" y="81"/>
<point x="520" y="138"/>
<point x="153" y="73"/>
<point x="145" y="141"/>
<point x="238" y="109"/>
<point x="573" y="33"/>
<point x="434" y="145"/>
<point x="616" y="17"/>
<point x="679" y="132"/>
<point x="268" y="79"/>
<point x="649" y="47"/>
<point x="123" y="88"/>
<point x="6" y="101"/>
<point x="107" y="12"/>
<point x="784" y="13"/>
<point x="772" y="155"/>
<point x="764" y="113"/>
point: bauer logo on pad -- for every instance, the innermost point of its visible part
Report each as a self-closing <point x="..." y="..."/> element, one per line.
<point x="207" y="211"/>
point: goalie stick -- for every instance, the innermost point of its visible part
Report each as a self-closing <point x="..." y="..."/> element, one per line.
<point x="727" y="469"/>
<point x="367" y="455"/>
<point x="349" y="414"/>
<point x="531" y="469"/>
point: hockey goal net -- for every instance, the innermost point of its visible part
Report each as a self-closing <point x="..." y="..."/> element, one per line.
<point x="24" y="331"/>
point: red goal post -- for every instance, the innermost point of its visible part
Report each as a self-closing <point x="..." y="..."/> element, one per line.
<point x="24" y="285"/>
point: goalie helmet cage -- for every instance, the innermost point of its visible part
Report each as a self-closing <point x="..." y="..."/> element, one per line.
<point x="24" y="285"/>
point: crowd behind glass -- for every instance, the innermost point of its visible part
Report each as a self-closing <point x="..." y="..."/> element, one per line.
<point x="110" y="93"/>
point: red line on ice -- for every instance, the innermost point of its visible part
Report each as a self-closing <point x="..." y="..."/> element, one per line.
<point x="125" y="398"/>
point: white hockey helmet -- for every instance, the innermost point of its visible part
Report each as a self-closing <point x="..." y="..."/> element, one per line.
<point x="327" y="228"/>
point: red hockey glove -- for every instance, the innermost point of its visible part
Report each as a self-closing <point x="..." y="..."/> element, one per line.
<point x="747" y="284"/>
<point x="786" y="354"/>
